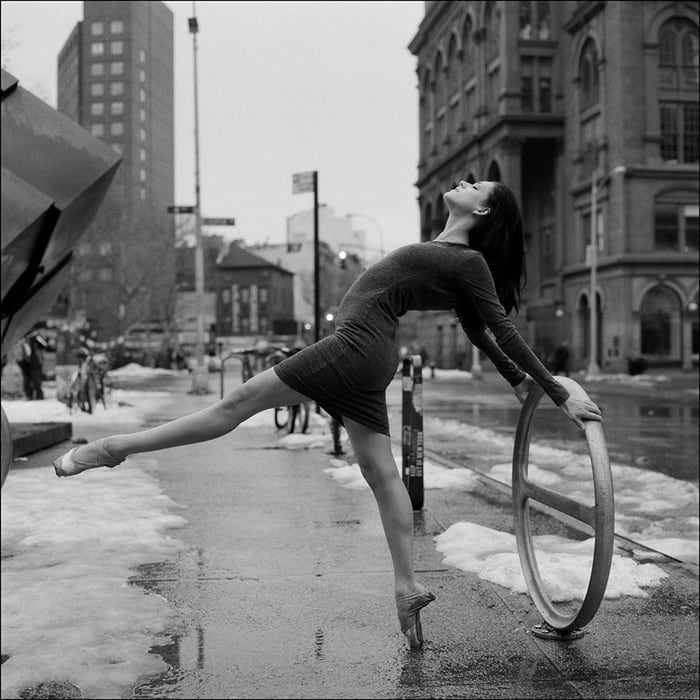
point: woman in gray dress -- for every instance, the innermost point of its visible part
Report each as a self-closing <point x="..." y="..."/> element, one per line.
<point x="475" y="267"/>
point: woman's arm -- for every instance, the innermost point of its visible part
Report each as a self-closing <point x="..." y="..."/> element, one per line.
<point x="481" y="291"/>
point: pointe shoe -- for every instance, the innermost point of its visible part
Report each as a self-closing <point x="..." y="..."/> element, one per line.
<point x="408" y="608"/>
<point x="70" y="465"/>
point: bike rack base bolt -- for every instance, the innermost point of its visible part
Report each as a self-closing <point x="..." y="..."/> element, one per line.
<point x="545" y="631"/>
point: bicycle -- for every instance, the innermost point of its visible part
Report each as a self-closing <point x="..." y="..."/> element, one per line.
<point x="289" y="417"/>
<point x="88" y="383"/>
<point x="247" y="371"/>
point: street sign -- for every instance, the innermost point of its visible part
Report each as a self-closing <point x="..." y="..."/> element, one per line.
<point x="218" y="222"/>
<point x="174" y="209"/>
<point x="303" y="182"/>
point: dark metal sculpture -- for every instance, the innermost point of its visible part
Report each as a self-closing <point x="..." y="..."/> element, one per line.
<point x="55" y="176"/>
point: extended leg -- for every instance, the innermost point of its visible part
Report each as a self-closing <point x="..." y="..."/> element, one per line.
<point x="378" y="466"/>
<point x="261" y="392"/>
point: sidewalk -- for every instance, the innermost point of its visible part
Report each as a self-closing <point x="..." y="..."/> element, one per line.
<point x="293" y="599"/>
<point x="284" y="590"/>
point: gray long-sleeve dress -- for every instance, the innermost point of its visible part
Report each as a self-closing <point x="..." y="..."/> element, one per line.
<point x="348" y="372"/>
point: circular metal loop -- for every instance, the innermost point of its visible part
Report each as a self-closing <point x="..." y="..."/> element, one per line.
<point x="600" y="517"/>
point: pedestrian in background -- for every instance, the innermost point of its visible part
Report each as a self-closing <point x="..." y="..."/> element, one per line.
<point x="31" y="363"/>
<point x="474" y="267"/>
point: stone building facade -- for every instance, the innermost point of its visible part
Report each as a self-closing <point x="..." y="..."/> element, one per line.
<point x="571" y="103"/>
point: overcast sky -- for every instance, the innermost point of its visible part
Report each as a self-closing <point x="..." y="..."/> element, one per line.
<point x="284" y="87"/>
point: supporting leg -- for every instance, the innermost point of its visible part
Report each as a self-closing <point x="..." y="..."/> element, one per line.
<point x="378" y="466"/>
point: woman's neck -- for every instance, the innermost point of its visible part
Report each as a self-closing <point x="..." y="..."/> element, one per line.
<point x="454" y="232"/>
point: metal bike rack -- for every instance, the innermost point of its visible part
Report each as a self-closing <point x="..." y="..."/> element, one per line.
<point x="601" y="517"/>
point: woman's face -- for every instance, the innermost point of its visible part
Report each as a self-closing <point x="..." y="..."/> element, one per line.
<point x="467" y="198"/>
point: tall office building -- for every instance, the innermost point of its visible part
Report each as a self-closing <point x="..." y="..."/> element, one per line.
<point x="115" y="77"/>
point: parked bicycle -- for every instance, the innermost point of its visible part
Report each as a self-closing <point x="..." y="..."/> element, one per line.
<point x="89" y="383"/>
<point x="293" y="417"/>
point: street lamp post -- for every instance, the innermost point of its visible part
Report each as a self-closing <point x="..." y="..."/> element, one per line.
<point x="593" y="366"/>
<point x="200" y="378"/>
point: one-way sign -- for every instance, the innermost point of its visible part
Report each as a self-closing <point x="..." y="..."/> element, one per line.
<point x="174" y="209"/>
<point x="218" y="222"/>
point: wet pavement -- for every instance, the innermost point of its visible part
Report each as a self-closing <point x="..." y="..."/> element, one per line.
<point x="285" y="591"/>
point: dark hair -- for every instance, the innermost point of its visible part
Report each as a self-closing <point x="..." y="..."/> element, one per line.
<point x="498" y="236"/>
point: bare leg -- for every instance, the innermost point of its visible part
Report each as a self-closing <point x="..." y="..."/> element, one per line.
<point x="378" y="466"/>
<point x="263" y="391"/>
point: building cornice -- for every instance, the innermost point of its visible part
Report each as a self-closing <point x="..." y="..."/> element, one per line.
<point x="433" y="14"/>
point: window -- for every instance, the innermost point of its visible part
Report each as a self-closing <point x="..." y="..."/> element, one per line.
<point x="97" y="109"/>
<point x="142" y="56"/>
<point x="527" y="99"/>
<point x="105" y="248"/>
<point x="263" y="295"/>
<point x="116" y="128"/>
<point x="97" y="48"/>
<point x="142" y="115"/>
<point x="679" y="132"/>
<point x="534" y="20"/>
<point x="116" y="26"/>
<point x="492" y="21"/>
<point x="142" y="75"/>
<point x="678" y="91"/>
<point x="676" y="223"/>
<point x="118" y="148"/>
<point x="116" y="89"/>
<point x="468" y="48"/>
<point x="659" y="316"/>
<point x="105" y="274"/>
<point x="142" y="175"/>
<point x="589" y="76"/>
<point x="142" y="134"/>
<point x="142" y="155"/>
<point x="97" y="130"/>
<point x="97" y="89"/>
<point x="142" y="95"/>
<point x="97" y="69"/>
<point x="116" y="68"/>
<point x="97" y="28"/>
<point x="116" y="108"/>
<point x="116" y="48"/>
<point x="143" y="194"/>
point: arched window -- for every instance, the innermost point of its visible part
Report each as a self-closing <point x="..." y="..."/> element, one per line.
<point x="440" y="101"/>
<point x="426" y="114"/>
<point x="588" y="75"/>
<point x="427" y="227"/>
<point x="660" y="324"/>
<point x="492" y="21"/>
<point x="453" y="91"/>
<point x="678" y="90"/>
<point x="452" y="68"/>
<point x="468" y="48"/>
<point x="439" y="217"/>
<point x="494" y="172"/>
<point x="589" y="100"/>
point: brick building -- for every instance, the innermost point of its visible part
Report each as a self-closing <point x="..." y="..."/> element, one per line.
<point x="255" y="297"/>
<point x="548" y="97"/>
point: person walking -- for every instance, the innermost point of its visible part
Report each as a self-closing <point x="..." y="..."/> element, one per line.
<point x="31" y="363"/>
<point x="475" y="267"/>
